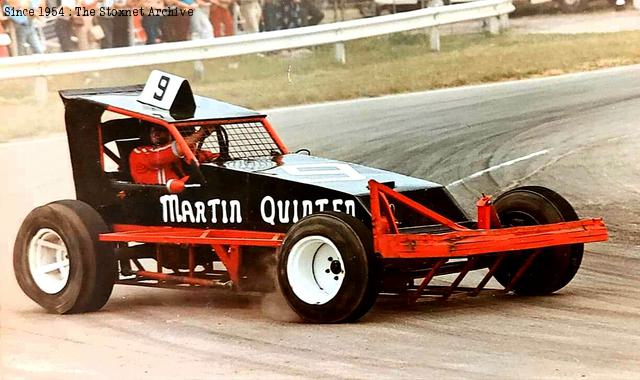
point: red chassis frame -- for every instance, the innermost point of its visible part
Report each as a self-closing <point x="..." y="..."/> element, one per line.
<point x="461" y="242"/>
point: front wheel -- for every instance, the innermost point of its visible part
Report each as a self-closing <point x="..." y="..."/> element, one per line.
<point x="554" y="267"/>
<point x="327" y="271"/>
<point x="59" y="262"/>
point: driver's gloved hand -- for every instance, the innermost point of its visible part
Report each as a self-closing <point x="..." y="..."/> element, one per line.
<point x="206" y="156"/>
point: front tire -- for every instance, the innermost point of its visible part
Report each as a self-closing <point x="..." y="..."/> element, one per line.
<point x="554" y="267"/>
<point x="60" y="263"/>
<point x="327" y="271"/>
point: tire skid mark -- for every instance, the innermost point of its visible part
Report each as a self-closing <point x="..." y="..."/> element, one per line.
<point x="554" y="160"/>
<point x="499" y="166"/>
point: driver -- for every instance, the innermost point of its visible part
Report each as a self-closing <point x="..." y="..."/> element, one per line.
<point x="160" y="162"/>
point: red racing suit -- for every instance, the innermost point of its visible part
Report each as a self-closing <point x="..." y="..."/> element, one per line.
<point x="156" y="166"/>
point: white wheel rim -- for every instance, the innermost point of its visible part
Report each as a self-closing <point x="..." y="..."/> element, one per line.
<point x="315" y="270"/>
<point x="48" y="261"/>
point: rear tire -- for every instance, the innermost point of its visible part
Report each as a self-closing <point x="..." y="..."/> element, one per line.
<point x="327" y="271"/>
<point x="58" y="260"/>
<point x="555" y="266"/>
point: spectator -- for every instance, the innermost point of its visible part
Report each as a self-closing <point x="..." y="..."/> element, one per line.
<point x="270" y="16"/>
<point x="26" y="33"/>
<point x="64" y="28"/>
<point x="106" y="23"/>
<point x="201" y="28"/>
<point x="5" y="40"/>
<point x="121" y="27"/>
<point x="175" y="28"/>
<point x="151" y="23"/>
<point x="290" y="14"/>
<point x="311" y="14"/>
<point x="221" y="18"/>
<point x="251" y="12"/>
<point x="82" y="26"/>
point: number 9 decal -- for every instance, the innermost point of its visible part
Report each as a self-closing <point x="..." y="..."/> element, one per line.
<point x="163" y="83"/>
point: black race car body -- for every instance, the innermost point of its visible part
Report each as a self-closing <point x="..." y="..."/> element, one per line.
<point x="268" y="196"/>
<point x="263" y="187"/>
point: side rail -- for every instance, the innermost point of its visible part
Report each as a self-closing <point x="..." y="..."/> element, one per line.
<point x="227" y="244"/>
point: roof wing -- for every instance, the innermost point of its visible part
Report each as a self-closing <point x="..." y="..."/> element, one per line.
<point x="125" y="99"/>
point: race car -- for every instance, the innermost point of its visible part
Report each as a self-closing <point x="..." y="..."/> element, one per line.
<point x="329" y="235"/>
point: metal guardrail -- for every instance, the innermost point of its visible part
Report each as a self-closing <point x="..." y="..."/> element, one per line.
<point x="94" y="60"/>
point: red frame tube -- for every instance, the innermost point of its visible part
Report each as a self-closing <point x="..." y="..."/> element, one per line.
<point x="180" y="235"/>
<point x="177" y="278"/>
<point x="172" y="127"/>
<point x="274" y="135"/>
<point x="462" y="241"/>
<point x="190" y="157"/>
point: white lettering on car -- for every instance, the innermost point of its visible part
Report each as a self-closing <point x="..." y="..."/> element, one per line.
<point x="295" y="211"/>
<point x="336" y="203"/>
<point x="187" y="211"/>
<point x="307" y="208"/>
<point x="223" y="207"/>
<point x="272" y="211"/>
<point x="321" y="203"/>
<point x="236" y="215"/>
<point x="283" y="211"/>
<point x="286" y="211"/>
<point x="212" y="203"/>
<point x="271" y="219"/>
<point x="200" y="207"/>
<point x="175" y="210"/>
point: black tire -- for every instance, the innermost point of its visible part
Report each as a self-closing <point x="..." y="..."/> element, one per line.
<point x="360" y="269"/>
<point x="92" y="268"/>
<point x="555" y="266"/>
<point x="572" y="6"/>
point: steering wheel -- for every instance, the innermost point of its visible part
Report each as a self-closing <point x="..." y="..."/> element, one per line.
<point x="223" y="142"/>
<point x="200" y="142"/>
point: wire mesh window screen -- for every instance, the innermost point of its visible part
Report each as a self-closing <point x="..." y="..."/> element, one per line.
<point x="244" y="140"/>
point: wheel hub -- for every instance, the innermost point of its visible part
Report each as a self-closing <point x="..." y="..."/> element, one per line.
<point x="335" y="267"/>
<point x="48" y="261"/>
<point x="315" y="270"/>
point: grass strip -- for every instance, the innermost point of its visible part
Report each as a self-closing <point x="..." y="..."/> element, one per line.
<point x="376" y="66"/>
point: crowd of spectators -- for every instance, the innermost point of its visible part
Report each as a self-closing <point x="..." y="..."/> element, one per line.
<point x="77" y="28"/>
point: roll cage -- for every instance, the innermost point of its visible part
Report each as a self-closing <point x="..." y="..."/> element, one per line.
<point x="232" y="139"/>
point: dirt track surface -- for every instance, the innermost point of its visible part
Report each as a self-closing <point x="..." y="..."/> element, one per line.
<point x="586" y="123"/>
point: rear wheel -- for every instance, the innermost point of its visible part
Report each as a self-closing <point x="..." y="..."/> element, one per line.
<point x="327" y="271"/>
<point x="59" y="262"/>
<point x="554" y="267"/>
